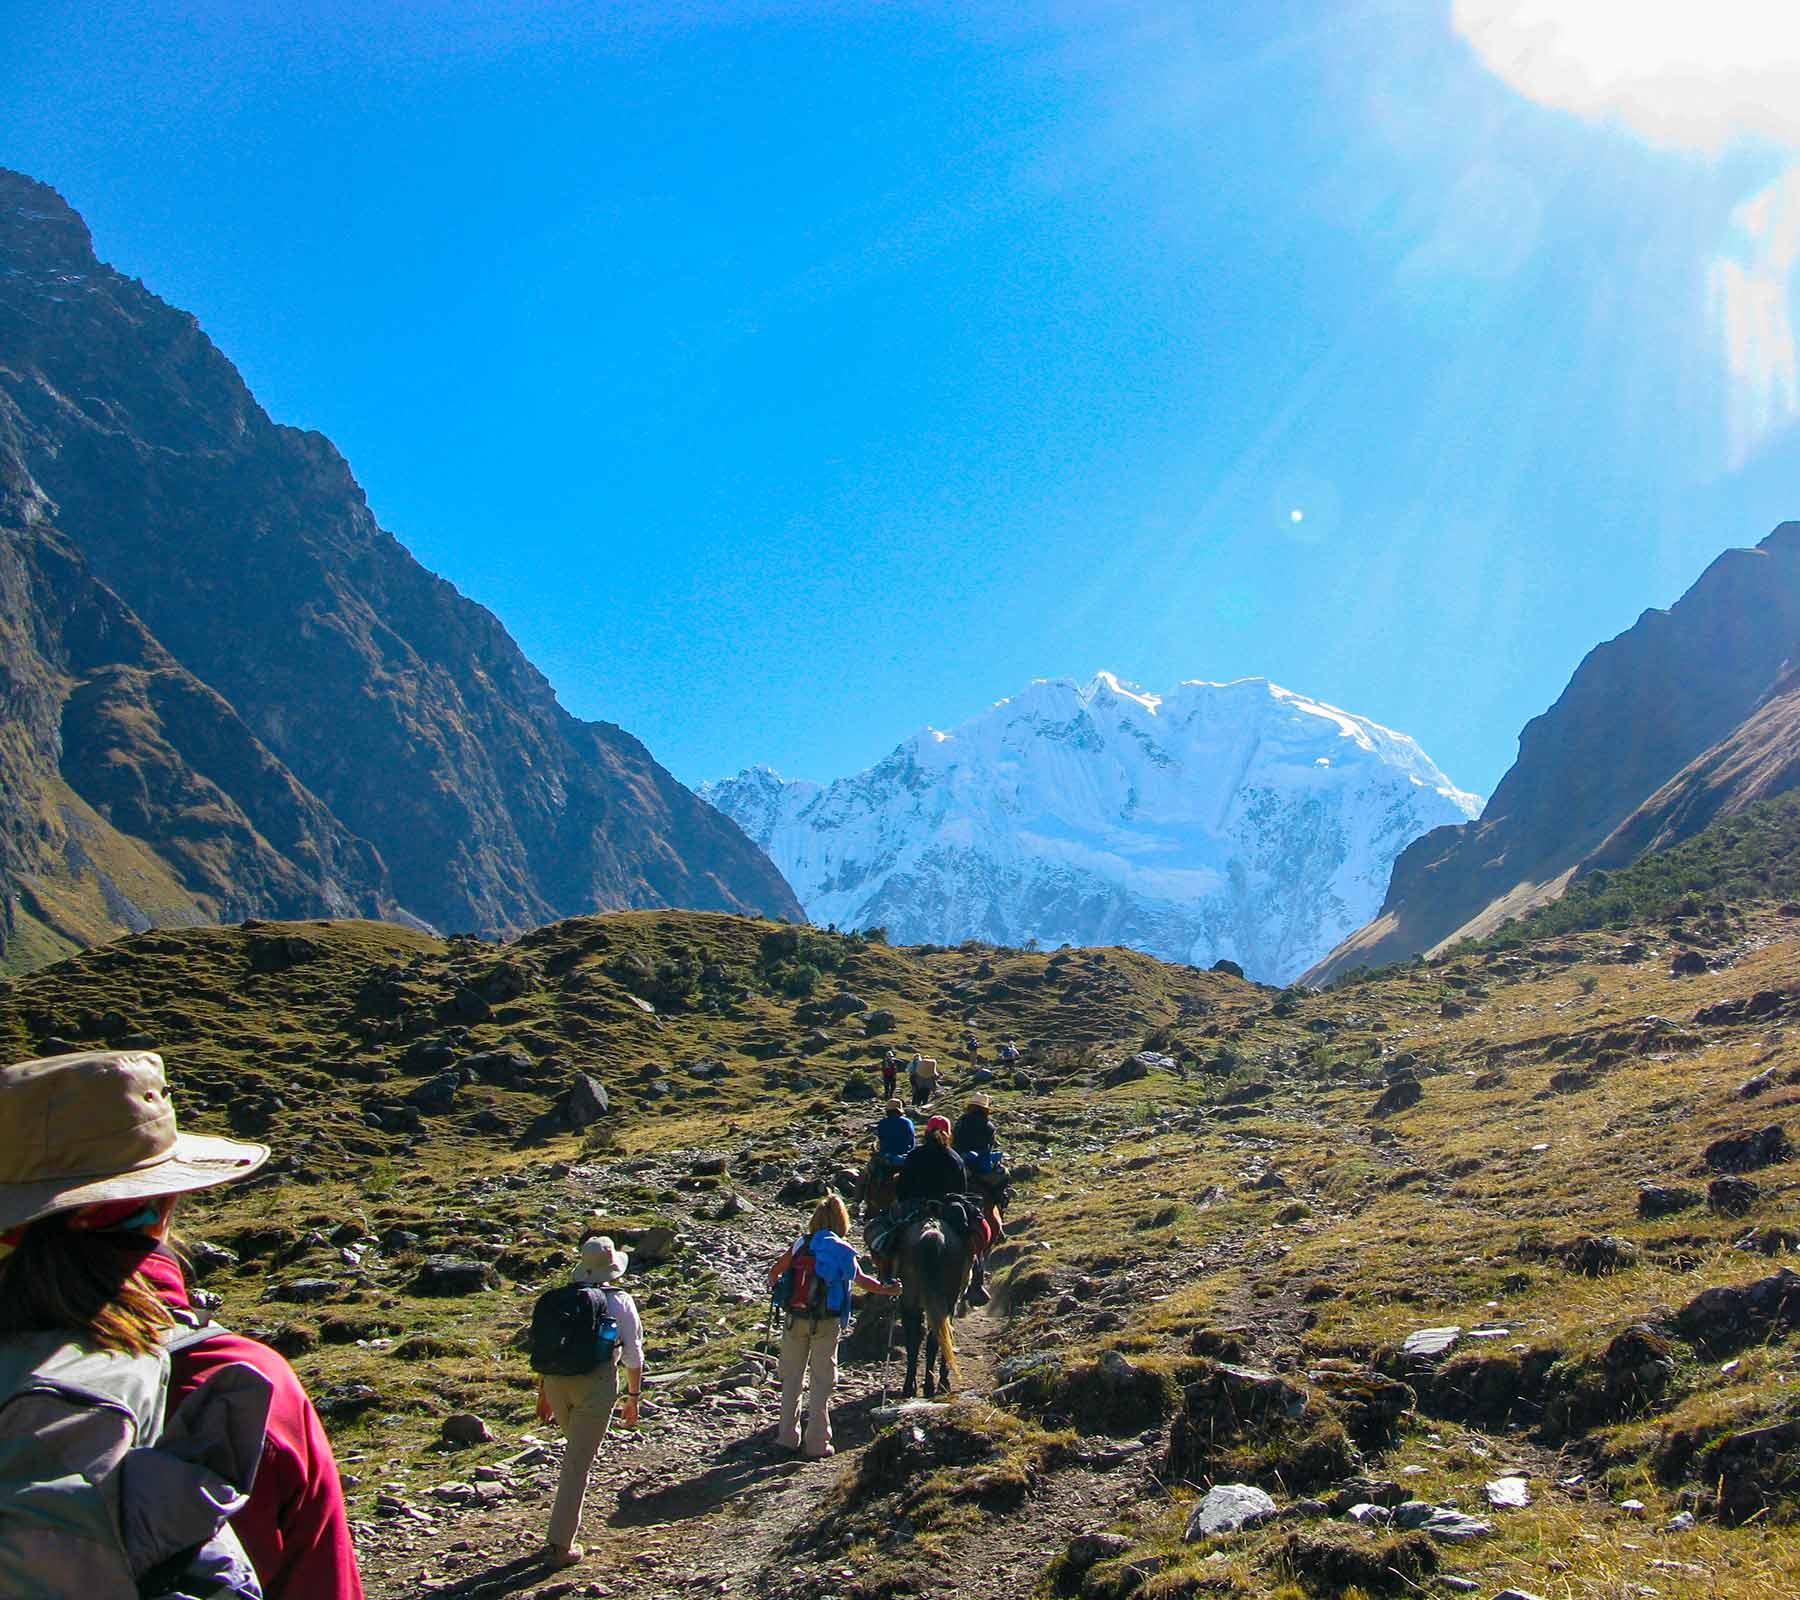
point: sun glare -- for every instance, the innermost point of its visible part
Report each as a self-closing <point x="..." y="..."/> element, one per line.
<point x="1674" y="71"/>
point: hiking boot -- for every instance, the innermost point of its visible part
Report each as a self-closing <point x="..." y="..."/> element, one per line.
<point x="977" y="1295"/>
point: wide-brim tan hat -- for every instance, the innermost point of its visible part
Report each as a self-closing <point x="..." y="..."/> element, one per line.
<point x="602" y="1261"/>
<point x="985" y="1101"/>
<point x="82" y="1130"/>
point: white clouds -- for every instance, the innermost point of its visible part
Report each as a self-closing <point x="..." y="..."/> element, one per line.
<point x="1750" y="289"/>
<point x="1697" y="74"/>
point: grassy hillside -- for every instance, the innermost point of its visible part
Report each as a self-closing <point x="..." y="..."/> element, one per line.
<point x="1754" y="854"/>
<point x="1310" y="1179"/>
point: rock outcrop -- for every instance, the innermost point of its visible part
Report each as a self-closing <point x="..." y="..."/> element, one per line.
<point x="227" y="690"/>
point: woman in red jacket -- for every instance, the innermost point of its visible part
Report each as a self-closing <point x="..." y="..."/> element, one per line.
<point x="90" y="1168"/>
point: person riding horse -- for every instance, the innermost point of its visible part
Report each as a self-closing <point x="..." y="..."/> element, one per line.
<point x="895" y="1140"/>
<point x="973" y="1140"/>
<point x="936" y="1172"/>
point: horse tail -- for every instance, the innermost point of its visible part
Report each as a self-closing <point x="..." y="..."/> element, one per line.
<point x="940" y="1325"/>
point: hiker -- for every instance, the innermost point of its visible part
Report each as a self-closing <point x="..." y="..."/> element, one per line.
<point x="582" y="1333"/>
<point x="890" y="1074"/>
<point x="936" y="1172"/>
<point x="1009" y="1053"/>
<point x="973" y="1139"/>
<point x="923" y="1075"/>
<point x="811" y="1281"/>
<point x="91" y="1164"/>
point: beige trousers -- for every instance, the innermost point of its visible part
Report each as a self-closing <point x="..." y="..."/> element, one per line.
<point x="808" y="1349"/>
<point x="583" y="1408"/>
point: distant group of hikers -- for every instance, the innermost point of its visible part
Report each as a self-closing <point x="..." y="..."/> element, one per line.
<point x="145" y="1450"/>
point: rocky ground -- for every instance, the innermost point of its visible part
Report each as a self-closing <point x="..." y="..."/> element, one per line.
<point x="1473" y="1269"/>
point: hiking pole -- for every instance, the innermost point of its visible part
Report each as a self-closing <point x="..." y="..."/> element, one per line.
<point x="887" y="1362"/>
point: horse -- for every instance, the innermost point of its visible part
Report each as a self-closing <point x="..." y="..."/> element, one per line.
<point x="880" y="1178"/>
<point x="934" y="1275"/>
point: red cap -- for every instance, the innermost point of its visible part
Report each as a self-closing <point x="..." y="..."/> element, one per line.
<point x="938" y="1124"/>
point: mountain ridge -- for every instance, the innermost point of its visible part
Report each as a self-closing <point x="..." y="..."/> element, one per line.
<point x="1238" y="821"/>
<point x="246" y="551"/>
<point x="1637" y="710"/>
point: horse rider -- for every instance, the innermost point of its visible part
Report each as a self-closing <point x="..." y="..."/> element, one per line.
<point x="973" y="1140"/>
<point x="936" y="1172"/>
<point x="895" y="1140"/>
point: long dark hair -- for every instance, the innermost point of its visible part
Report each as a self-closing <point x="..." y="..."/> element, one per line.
<point x="85" y="1281"/>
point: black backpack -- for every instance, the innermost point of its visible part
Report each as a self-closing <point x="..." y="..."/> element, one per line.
<point x="573" y="1331"/>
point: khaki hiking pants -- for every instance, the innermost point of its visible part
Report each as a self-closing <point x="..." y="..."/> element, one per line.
<point x="808" y="1349"/>
<point x="584" y="1408"/>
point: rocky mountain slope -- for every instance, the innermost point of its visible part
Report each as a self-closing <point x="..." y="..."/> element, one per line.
<point x="1758" y="759"/>
<point x="1639" y="709"/>
<point x="233" y="692"/>
<point x="1475" y="1270"/>
<point x="1220" y="821"/>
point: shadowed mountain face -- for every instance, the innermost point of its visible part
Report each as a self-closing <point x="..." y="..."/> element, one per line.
<point x="1758" y="759"/>
<point x="273" y="707"/>
<point x="1639" y="709"/>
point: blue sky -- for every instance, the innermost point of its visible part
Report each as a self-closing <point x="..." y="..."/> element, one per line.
<point x="789" y="376"/>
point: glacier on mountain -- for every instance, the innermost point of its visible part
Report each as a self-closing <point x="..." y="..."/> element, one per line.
<point x="1221" y="820"/>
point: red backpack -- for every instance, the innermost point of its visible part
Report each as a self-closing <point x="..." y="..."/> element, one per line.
<point x="800" y="1291"/>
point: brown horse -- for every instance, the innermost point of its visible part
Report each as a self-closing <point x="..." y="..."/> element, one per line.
<point x="934" y="1275"/>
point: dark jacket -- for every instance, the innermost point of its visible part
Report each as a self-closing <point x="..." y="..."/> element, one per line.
<point x="973" y="1131"/>
<point x="931" y="1173"/>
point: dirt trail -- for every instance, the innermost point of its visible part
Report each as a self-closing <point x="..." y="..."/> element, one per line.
<point x="700" y="1501"/>
<point x="702" y="1504"/>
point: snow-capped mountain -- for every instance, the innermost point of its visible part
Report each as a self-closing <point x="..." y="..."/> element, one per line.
<point x="1234" y="820"/>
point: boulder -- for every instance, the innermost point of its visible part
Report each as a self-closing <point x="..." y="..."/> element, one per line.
<point x="652" y="1246"/>
<point x="878" y="1021"/>
<point x="505" y="1068"/>
<point x="1596" y="1255"/>
<point x="304" y="1290"/>
<point x="1230" y="968"/>
<point x="277" y="952"/>
<point x="1441" y="1522"/>
<point x="1403" y="1091"/>
<point x="1429" y="1343"/>
<point x="585" y="1101"/>
<point x="1089" y="1549"/>
<point x="1227" y="1508"/>
<point x="1655" y="1200"/>
<point x="437" y="1094"/>
<point x="1727" y="1313"/>
<point x="1510" y="1493"/>
<point x="857" y="1088"/>
<point x="1755" y="1472"/>
<point x="1687" y="964"/>
<point x="1744" y="1152"/>
<point x="454" y="1275"/>
<point x="465" y="1428"/>
<point x="1733" y="1197"/>
<point x="844" y="1005"/>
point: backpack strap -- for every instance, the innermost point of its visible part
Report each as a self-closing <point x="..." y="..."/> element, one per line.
<point x="185" y="1335"/>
